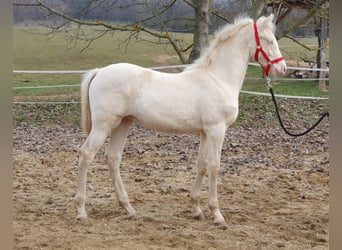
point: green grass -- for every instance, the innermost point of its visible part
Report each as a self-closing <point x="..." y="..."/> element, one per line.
<point x="48" y="114"/>
<point x="295" y="88"/>
<point x="39" y="52"/>
<point x="302" y="88"/>
<point x="294" y="51"/>
<point x="36" y="51"/>
<point x="282" y="85"/>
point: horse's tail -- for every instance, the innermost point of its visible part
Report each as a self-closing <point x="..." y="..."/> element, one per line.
<point x="86" y="112"/>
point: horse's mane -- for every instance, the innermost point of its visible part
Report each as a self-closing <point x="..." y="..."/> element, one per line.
<point x="221" y="36"/>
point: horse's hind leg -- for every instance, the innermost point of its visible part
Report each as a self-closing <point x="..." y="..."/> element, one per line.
<point x="88" y="150"/>
<point x="114" y="155"/>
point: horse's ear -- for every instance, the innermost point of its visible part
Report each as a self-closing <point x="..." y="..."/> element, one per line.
<point x="270" y="17"/>
<point x="265" y="21"/>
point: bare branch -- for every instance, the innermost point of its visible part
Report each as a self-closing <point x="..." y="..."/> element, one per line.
<point x="157" y="14"/>
<point x="78" y="21"/>
<point x="300" y="21"/>
<point x="298" y="42"/>
<point x="220" y="15"/>
<point x="134" y="29"/>
<point x="25" y="4"/>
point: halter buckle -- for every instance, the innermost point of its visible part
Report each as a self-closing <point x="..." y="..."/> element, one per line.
<point x="269" y="82"/>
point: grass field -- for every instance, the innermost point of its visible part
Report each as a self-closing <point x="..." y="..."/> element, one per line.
<point x="35" y="51"/>
<point x="38" y="52"/>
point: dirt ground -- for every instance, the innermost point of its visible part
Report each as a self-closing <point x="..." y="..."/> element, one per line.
<point x="273" y="191"/>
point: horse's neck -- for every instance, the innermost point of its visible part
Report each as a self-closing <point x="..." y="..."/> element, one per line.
<point x="232" y="60"/>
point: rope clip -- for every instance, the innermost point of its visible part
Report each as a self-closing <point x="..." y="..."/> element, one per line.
<point x="269" y="82"/>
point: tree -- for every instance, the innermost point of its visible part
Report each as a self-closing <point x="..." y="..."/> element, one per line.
<point x="157" y="18"/>
<point x="314" y="7"/>
<point x="93" y="13"/>
<point x="201" y="32"/>
<point x="154" y="18"/>
<point x="322" y="34"/>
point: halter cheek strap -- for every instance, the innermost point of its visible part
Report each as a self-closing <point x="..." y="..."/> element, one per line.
<point x="259" y="49"/>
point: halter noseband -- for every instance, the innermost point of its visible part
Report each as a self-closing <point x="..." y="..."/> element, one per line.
<point x="259" y="48"/>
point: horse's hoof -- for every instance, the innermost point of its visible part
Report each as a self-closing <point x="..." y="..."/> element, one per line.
<point x="82" y="219"/>
<point x="221" y="224"/>
<point x="199" y="216"/>
<point x="131" y="216"/>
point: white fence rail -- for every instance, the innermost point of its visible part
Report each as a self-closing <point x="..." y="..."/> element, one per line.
<point x="84" y="71"/>
<point x="155" y="68"/>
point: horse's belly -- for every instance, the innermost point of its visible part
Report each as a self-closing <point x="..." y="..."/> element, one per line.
<point x="169" y="122"/>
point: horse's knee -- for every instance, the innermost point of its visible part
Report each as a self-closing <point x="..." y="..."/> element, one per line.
<point x="214" y="168"/>
<point x="79" y="200"/>
<point x="113" y="162"/>
<point x="113" y="159"/>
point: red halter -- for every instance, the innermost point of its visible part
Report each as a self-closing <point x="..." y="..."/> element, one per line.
<point x="259" y="48"/>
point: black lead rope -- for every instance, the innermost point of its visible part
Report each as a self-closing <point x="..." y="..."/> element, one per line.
<point x="326" y="114"/>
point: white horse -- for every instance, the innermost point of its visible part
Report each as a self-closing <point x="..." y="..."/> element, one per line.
<point x="202" y="99"/>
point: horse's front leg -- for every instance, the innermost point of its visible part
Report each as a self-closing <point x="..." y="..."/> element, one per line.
<point x="201" y="170"/>
<point x="215" y="136"/>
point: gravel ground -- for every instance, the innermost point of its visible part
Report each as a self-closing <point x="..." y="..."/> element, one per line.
<point x="273" y="189"/>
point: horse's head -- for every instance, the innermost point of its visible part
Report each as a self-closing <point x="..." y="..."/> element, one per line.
<point x="266" y="51"/>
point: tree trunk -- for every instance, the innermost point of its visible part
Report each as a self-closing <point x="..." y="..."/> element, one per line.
<point x="201" y="31"/>
<point x="322" y="43"/>
<point x="258" y="8"/>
